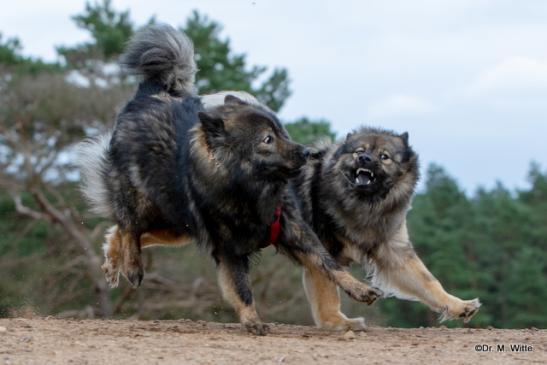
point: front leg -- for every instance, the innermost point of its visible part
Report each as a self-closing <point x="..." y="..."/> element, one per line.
<point x="399" y="271"/>
<point x="301" y="243"/>
<point x="233" y="278"/>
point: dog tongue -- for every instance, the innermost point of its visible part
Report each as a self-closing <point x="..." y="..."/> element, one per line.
<point x="363" y="178"/>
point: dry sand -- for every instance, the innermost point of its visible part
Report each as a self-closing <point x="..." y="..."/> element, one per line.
<point x="56" y="341"/>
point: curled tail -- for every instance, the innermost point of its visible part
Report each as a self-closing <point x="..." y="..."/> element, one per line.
<point x="163" y="54"/>
<point x="92" y="158"/>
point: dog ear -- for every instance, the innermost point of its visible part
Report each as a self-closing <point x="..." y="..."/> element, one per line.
<point x="410" y="156"/>
<point x="213" y="127"/>
<point x="348" y="136"/>
<point x="233" y="100"/>
<point x="404" y="137"/>
<point x="315" y="153"/>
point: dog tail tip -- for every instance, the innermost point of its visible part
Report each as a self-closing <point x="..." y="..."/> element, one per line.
<point x="162" y="53"/>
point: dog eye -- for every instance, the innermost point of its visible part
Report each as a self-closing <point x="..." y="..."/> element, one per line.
<point x="268" y="139"/>
<point x="384" y="157"/>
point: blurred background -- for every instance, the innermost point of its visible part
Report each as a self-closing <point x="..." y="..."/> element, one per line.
<point x="467" y="79"/>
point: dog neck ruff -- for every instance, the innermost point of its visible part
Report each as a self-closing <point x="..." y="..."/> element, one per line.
<point x="275" y="227"/>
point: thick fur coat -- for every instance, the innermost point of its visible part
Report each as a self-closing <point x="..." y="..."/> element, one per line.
<point x="174" y="172"/>
<point x="356" y="196"/>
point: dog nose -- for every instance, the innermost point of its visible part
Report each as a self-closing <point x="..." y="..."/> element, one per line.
<point x="306" y="153"/>
<point x="365" y="158"/>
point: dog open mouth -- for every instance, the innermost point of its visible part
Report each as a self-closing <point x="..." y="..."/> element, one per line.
<point x="364" y="177"/>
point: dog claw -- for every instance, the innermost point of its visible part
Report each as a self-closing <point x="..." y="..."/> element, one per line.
<point x="135" y="276"/>
<point x="470" y="308"/>
<point x="365" y="294"/>
<point x="372" y="295"/>
<point x="132" y="269"/>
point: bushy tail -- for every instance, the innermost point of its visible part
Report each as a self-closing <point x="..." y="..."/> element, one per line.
<point x="163" y="54"/>
<point x="92" y="158"/>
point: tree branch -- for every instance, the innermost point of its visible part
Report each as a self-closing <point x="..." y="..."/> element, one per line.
<point x="93" y="260"/>
<point x="24" y="210"/>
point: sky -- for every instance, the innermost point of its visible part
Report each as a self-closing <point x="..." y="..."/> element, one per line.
<point x="466" y="78"/>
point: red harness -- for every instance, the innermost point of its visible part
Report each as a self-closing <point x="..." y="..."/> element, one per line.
<point x="275" y="227"/>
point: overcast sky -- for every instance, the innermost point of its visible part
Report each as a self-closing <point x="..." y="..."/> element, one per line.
<point x="466" y="78"/>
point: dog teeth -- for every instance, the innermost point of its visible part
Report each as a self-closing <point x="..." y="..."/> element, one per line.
<point x="365" y="170"/>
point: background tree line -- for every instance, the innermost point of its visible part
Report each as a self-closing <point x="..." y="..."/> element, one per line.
<point x="491" y="244"/>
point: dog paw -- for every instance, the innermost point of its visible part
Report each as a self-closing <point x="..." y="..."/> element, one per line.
<point x="256" y="328"/>
<point x="356" y="324"/>
<point x="366" y="294"/>
<point x="344" y="324"/>
<point x="470" y="309"/>
<point x="111" y="273"/>
<point x="133" y="271"/>
<point x="465" y="310"/>
<point x="373" y="294"/>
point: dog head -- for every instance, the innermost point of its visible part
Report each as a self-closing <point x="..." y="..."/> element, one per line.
<point x="371" y="162"/>
<point x="249" y="139"/>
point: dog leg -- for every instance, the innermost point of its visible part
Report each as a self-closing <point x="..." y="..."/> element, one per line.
<point x="324" y="300"/>
<point x="163" y="238"/>
<point x="234" y="284"/>
<point x="301" y="243"/>
<point x="116" y="252"/>
<point x="132" y="267"/>
<point x="400" y="271"/>
<point x="112" y="249"/>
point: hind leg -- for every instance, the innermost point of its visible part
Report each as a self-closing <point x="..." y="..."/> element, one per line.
<point x="122" y="255"/>
<point x="401" y="272"/>
<point x="118" y="255"/>
<point x="132" y="267"/>
<point x="412" y="280"/>
<point x="113" y="256"/>
<point x="234" y="284"/>
<point x="163" y="238"/>
<point x="324" y="300"/>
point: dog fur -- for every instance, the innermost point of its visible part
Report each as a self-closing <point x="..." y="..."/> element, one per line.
<point x="356" y="196"/>
<point x="174" y="172"/>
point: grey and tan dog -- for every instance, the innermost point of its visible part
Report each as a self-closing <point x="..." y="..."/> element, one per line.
<point x="356" y="196"/>
<point x="180" y="168"/>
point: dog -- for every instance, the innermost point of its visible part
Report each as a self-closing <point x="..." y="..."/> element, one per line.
<point x="173" y="172"/>
<point x="356" y="195"/>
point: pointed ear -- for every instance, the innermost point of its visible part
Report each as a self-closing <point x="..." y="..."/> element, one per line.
<point x="315" y="153"/>
<point x="212" y="126"/>
<point x="348" y="136"/>
<point x="404" y="137"/>
<point x="230" y="99"/>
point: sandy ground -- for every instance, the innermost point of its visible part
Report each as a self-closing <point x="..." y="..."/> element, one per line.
<point x="55" y="341"/>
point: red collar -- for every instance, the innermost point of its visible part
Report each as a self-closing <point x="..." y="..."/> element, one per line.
<point x="275" y="227"/>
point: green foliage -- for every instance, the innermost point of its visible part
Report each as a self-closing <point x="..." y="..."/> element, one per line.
<point x="9" y="51"/>
<point x="307" y="131"/>
<point x="219" y="67"/>
<point x="222" y="69"/>
<point x="109" y="29"/>
<point x="490" y="245"/>
<point x="11" y="59"/>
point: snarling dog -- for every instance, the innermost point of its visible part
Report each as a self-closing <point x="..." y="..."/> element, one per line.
<point x="356" y="195"/>
<point x="173" y="172"/>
